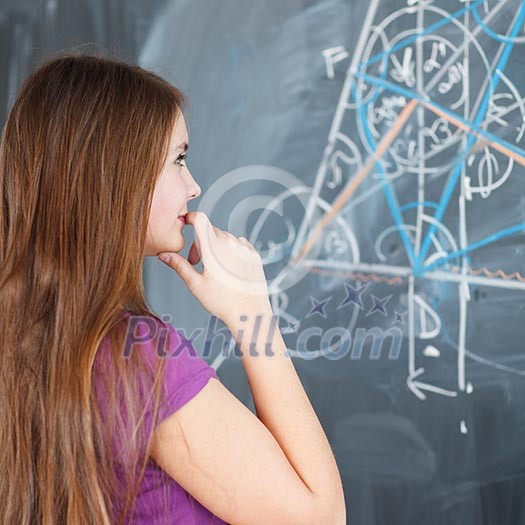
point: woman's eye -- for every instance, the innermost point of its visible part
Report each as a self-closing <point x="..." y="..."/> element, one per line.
<point x="180" y="158"/>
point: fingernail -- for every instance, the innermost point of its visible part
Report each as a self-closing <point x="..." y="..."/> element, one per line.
<point x="165" y="257"/>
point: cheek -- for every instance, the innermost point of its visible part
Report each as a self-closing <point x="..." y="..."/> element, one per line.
<point x="168" y="201"/>
<point x="164" y="211"/>
<point x="160" y="215"/>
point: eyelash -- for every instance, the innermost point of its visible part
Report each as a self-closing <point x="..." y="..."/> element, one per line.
<point x="181" y="157"/>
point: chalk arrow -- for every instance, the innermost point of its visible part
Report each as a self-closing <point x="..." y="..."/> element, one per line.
<point x="417" y="386"/>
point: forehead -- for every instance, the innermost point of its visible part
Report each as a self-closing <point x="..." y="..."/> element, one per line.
<point x="179" y="133"/>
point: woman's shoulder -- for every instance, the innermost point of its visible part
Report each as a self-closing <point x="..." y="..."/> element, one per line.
<point x="143" y="331"/>
<point x="155" y="336"/>
<point x="155" y="339"/>
<point x="185" y="371"/>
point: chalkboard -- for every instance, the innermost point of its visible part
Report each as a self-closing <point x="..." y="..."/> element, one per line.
<point x="373" y="152"/>
<point x="387" y="137"/>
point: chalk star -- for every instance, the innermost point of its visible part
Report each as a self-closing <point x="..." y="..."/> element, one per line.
<point x="379" y="305"/>
<point x="353" y="295"/>
<point x="318" y="307"/>
<point x="294" y="326"/>
<point x="400" y="318"/>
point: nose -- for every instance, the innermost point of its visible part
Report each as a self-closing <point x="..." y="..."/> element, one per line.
<point x="194" y="190"/>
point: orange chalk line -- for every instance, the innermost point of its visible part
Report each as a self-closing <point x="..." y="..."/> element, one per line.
<point x="356" y="181"/>
<point x="399" y="280"/>
<point x="499" y="147"/>
<point x="496" y="273"/>
<point x="362" y="277"/>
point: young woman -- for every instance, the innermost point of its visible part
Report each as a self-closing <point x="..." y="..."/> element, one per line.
<point x="108" y="414"/>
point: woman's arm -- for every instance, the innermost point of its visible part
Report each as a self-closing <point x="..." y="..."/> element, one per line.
<point x="274" y="469"/>
<point x="283" y="406"/>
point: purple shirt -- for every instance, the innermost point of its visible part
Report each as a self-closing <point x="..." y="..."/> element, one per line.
<point x="186" y="374"/>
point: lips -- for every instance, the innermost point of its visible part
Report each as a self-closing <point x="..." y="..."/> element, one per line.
<point x="182" y="218"/>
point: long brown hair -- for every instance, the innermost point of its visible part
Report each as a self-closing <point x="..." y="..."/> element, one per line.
<point x="80" y="152"/>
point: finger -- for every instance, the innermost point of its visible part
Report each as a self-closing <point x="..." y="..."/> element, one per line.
<point x="219" y="232"/>
<point x="204" y="230"/>
<point x="247" y="242"/>
<point x="185" y="270"/>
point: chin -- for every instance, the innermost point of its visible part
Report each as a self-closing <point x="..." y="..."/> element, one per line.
<point x="173" y="246"/>
<point x="160" y="247"/>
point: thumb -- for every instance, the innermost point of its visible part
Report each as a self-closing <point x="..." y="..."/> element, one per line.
<point x="186" y="271"/>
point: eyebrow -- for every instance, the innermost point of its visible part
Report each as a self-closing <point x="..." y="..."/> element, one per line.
<point x="182" y="146"/>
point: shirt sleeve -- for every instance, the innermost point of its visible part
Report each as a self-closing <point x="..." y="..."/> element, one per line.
<point x="186" y="373"/>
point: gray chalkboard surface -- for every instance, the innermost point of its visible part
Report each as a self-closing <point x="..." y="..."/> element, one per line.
<point x="373" y="151"/>
<point x="388" y="138"/>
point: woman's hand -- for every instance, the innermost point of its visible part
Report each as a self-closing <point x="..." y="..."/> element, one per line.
<point x="232" y="282"/>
